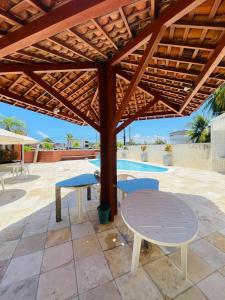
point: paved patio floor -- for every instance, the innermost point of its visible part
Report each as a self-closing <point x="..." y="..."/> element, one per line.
<point x="41" y="259"/>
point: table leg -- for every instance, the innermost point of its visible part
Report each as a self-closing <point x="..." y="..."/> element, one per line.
<point x="80" y="203"/>
<point x="88" y="193"/>
<point x="184" y="260"/>
<point x="136" y="253"/>
<point x="58" y="203"/>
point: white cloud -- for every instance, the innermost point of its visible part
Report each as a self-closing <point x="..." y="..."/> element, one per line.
<point x="42" y="134"/>
<point x="147" y="139"/>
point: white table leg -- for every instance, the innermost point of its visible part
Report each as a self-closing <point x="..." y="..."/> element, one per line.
<point x="80" y="203"/>
<point x="136" y="253"/>
<point x="184" y="260"/>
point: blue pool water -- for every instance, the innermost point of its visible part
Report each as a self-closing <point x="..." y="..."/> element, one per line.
<point x="129" y="165"/>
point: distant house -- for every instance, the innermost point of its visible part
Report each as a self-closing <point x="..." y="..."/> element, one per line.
<point x="179" y="137"/>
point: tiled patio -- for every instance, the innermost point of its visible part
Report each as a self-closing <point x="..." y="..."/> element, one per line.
<point x="42" y="259"/>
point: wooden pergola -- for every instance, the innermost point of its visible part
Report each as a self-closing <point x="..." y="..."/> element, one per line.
<point x="108" y="63"/>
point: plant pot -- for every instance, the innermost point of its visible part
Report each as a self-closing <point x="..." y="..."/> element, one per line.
<point x="104" y="214"/>
<point x="144" y="156"/>
<point x="167" y="159"/>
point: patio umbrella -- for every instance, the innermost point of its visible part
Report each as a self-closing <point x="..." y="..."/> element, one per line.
<point x="11" y="138"/>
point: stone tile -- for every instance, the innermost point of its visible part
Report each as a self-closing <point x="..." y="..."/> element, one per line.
<point x="102" y="227"/>
<point x="81" y="230"/>
<point x="167" y="277"/>
<point x="126" y="233"/>
<point x="110" y="238"/>
<point x="12" y="232"/>
<point x="209" y="253"/>
<point x="30" y="244"/>
<point x="213" y="286"/>
<point x="107" y="291"/>
<point x="56" y="237"/>
<point x="198" y="268"/>
<point x="138" y="286"/>
<point x="57" y="256"/>
<point x="91" y="272"/>
<point x="39" y="216"/>
<point x="222" y="271"/>
<point x="21" y="290"/>
<point x="53" y="225"/>
<point x="93" y="215"/>
<point x="7" y="249"/>
<point x="217" y="239"/>
<point x="149" y="253"/>
<point x="192" y="294"/>
<point x="23" y="267"/>
<point x="86" y="246"/>
<point x="3" y="267"/>
<point x="35" y="228"/>
<point x="74" y="218"/>
<point x="119" y="260"/>
<point x="118" y="221"/>
<point x="59" y="283"/>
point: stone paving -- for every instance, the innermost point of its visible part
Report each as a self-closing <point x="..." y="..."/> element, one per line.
<point x="42" y="259"/>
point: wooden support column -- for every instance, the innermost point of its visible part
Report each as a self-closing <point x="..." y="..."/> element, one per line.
<point x="107" y="96"/>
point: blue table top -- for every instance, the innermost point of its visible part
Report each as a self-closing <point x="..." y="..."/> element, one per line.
<point x="132" y="185"/>
<point x="78" y="181"/>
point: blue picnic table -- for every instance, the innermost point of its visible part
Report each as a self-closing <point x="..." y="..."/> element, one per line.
<point x="78" y="183"/>
<point x="137" y="184"/>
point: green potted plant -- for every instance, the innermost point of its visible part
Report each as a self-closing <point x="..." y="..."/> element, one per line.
<point x="144" y="153"/>
<point x="167" y="157"/>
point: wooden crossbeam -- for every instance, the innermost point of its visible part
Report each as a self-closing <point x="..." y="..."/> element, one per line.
<point x="170" y="15"/>
<point x="61" y="99"/>
<point x="47" y="67"/>
<point x="138" y="114"/>
<point x="212" y="63"/>
<point x="39" y="106"/>
<point x="61" y="18"/>
<point x="34" y="55"/>
<point x="145" y="89"/>
<point x="8" y="17"/>
<point x="123" y="16"/>
<point x="84" y="40"/>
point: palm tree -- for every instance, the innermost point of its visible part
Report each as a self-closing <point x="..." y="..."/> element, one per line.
<point x="69" y="139"/>
<point x="199" y="130"/>
<point x="216" y="104"/>
<point x="12" y="124"/>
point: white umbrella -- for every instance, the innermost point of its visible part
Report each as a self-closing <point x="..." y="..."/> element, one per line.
<point x="11" y="138"/>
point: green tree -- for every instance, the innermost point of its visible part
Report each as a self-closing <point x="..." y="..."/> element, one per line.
<point x="199" y="130"/>
<point x="159" y="141"/>
<point x="13" y="124"/>
<point x="75" y="144"/>
<point x="216" y="105"/>
<point x="47" y="146"/>
<point x="69" y="140"/>
<point x="48" y="140"/>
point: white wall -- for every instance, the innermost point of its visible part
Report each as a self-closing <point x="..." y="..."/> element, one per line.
<point x="218" y="143"/>
<point x="197" y="156"/>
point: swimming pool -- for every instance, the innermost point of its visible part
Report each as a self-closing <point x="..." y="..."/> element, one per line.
<point x="130" y="165"/>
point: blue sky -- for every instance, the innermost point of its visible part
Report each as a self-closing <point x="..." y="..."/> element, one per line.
<point x="39" y="126"/>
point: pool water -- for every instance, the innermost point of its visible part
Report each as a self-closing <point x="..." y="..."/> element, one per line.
<point x="129" y="165"/>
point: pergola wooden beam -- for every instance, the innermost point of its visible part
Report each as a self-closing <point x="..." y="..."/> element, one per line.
<point x="47" y="67"/>
<point x="144" y="88"/>
<point x="39" y="106"/>
<point x="61" y="99"/>
<point x="138" y="114"/>
<point x="170" y="15"/>
<point x="7" y="16"/>
<point x="59" y="19"/>
<point x="212" y="63"/>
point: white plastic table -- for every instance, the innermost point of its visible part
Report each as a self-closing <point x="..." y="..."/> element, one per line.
<point x="78" y="183"/>
<point x="161" y="219"/>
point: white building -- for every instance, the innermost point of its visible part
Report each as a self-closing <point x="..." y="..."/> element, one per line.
<point x="179" y="137"/>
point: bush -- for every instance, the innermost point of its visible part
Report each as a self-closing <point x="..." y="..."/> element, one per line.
<point x="47" y="146"/>
<point x="27" y="148"/>
<point x="168" y="148"/>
